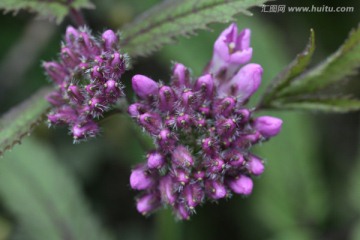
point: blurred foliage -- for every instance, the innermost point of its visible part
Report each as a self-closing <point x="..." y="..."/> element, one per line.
<point x="44" y="197"/>
<point x="310" y="188"/>
<point x="293" y="89"/>
<point x="171" y="19"/>
<point x="54" y="10"/>
<point x="20" y="120"/>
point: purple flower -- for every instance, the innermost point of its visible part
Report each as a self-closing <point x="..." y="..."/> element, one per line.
<point x="231" y="50"/>
<point x="202" y="130"/>
<point x="87" y="77"/>
<point x="268" y="126"/>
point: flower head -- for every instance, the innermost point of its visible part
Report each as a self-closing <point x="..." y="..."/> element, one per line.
<point x="87" y="77"/>
<point x="203" y="134"/>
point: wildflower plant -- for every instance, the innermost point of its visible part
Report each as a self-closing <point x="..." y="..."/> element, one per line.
<point x="203" y="128"/>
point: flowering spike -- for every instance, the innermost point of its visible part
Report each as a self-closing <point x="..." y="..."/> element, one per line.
<point x="202" y="130"/>
<point x="144" y="87"/>
<point x="268" y="126"/>
<point x="86" y="80"/>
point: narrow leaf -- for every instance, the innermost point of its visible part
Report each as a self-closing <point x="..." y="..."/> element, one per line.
<point x="19" y="121"/>
<point x="44" y="197"/>
<point x="171" y="19"/>
<point x="335" y="105"/>
<point x="294" y="69"/>
<point x="343" y="63"/>
<point x="52" y="9"/>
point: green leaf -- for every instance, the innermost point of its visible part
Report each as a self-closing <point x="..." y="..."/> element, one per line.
<point x="165" y="22"/>
<point x="19" y="121"/>
<point x="44" y="197"/>
<point x="52" y="9"/>
<point x="335" y="105"/>
<point x="294" y="69"/>
<point x="343" y="63"/>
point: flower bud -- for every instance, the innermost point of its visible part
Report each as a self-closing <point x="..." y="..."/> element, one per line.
<point x="137" y="109"/>
<point x="215" y="189"/>
<point x="235" y="158"/>
<point x="70" y="59"/>
<point x="165" y="140"/>
<point x="182" y="157"/>
<point x="118" y="63"/>
<point x="55" y="71"/>
<point x="147" y="204"/>
<point x="226" y="127"/>
<point x="188" y="98"/>
<point x="112" y="87"/>
<point x="194" y="195"/>
<point x="155" y="160"/>
<point x="55" y="98"/>
<point x="144" y="87"/>
<point x="181" y="176"/>
<point x="181" y="76"/>
<point x="71" y="36"/>
<point x="167" y="98"/>
<point x="181" y="212"/>
<point x="88" y="45"/>
<point x="166" y="190"/>
<point x="96" y="73"/>
<point x="216" y="165"/>
<point x="184" y="121"/>
<point x="84" y="130"/>
<point x="241" y="185"/>
<point x="74" y="94"/>
<point x="110" y="39"/>
<point x="205" y="85"/>
<point x="140" y="179"/>
<point x="244" y="84"/>
<point x="151" y="122"/>
<point x="62" y="115"/>
<point x="268" y="126"/>
<point x="255" y="165"/>
<point x="225" y="106"/>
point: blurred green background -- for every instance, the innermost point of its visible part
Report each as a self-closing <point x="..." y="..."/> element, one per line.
<point x="52" y="189"/>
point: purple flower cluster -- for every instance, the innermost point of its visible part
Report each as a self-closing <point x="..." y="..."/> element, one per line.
<point x="202" y="130"/>
<point x="87" y="78"/>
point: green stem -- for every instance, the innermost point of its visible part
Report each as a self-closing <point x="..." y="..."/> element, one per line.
<point x="166" y="227"/>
